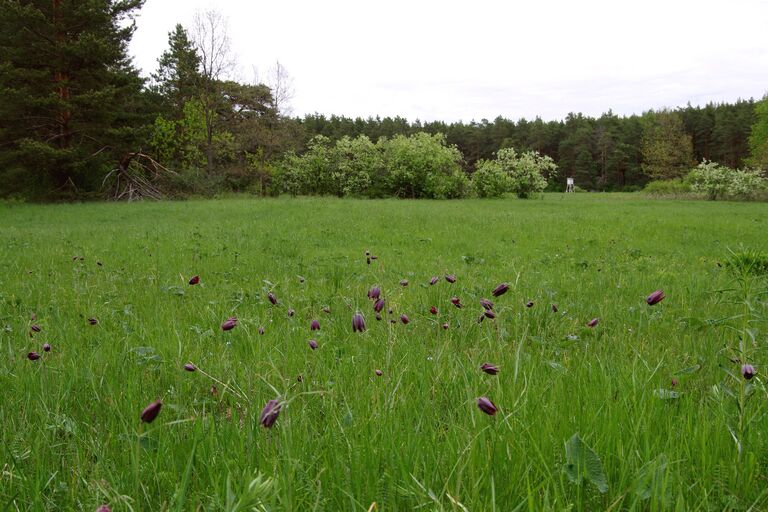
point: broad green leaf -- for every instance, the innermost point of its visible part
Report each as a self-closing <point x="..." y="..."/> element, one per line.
<point x="583" y="463"/>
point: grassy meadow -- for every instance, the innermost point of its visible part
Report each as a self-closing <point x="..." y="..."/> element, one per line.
<point x="663" y="418"/>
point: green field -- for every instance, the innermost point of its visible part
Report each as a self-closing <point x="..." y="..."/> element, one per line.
<point x="413" y="437"/>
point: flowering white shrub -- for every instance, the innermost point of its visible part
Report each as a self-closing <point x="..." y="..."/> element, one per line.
<point x="528" y="171"/>
<point x="717" y="180"/>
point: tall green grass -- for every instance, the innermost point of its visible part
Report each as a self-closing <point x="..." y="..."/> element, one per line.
<point x="413" y="437"/>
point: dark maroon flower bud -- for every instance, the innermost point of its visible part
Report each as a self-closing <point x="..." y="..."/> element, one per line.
<point x="593" y="322"/>
<point x="214" y="390"/>
<point x="389" y="311"/>
<point x="93" y="321"/>
<point x="190" y="367"/>
<point x="379" y="373"/>
<point x="358" y="323"/>
<point x="299" y="378"/>
<point x="261" y="330"/>
<point x="674" y="383"/>
<point x="434" y="280"/>
<point x="489" y="368"/>
<point x="104" y="508"/>
<point x="486" y="304"/>
<point x="480" y="318"/>
<point x="314" y="326"/>
<point x="445" y="325"/>
<point x="271" y="297"/>
<point x="655" y="297"/>
<point x="450" y="278"/>
<point x="393" y="321"/>
<point x="378" y="305"/>
<point x="554" y="308"/>
<point x="291" y="312"/>
<point x="327" y="310"/>
<point x="35" y="328"/>
<point x="485" y="405"/>
<point x="46" y="347"/>
<point x="748" y="371"/>
<point x="194" y="280"/>
<point x="500" y="290"/>
<point x="368" y="260"/>
<point x="229" y="324"/>
<point x="403" y="282"/>
<point x="367" y="253"/>
<point x="378" y="316"/>
<point x="490" y="314"/>
<point x="404" y="318"/>
<point x="74" y="258"/>
<point x="269" y="414"/>
<point x="529" y="304"/>
<point x="456" y="302"/>
<point x="433" y="310"/>
<point x="151" y="411"/>
<point x="374" y="293"/>
<point x="33" y="356"/>
<point x="301" y="279"/>
<point x="313" y="344"/>
<point x="374" y="257"/>
<point x="99" y="263"/>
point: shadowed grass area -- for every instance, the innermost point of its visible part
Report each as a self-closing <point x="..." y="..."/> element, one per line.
<point x="345" y="437"/>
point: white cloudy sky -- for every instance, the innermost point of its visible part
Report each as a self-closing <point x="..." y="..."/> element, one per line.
<point x="477" y="59"/>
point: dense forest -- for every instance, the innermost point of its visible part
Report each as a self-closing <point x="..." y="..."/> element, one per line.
<point x="78" y="121"/>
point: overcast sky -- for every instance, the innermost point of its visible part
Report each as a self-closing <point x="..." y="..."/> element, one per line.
<point x="446" y="60"/>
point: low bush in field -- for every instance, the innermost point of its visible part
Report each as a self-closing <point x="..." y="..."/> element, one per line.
<point x="525" y="174"/>
<point x="718" y="181"/>
<point x="670" y="188"/>
<point x="419" y="166"/>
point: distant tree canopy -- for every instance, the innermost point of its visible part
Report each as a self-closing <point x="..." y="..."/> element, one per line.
<point x="73" y="109"/>
<point x="604" y="153"/>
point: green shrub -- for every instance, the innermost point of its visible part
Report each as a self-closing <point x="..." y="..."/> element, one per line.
<point x="490" y="180"/>
<point x="422" y="165"/>
<point x="674" y="188"/>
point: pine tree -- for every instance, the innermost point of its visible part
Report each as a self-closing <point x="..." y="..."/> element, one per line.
<point x="69" y="95"/>
<point x="178" y="75"/>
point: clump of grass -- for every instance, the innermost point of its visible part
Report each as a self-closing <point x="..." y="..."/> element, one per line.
<point x="748" y="262"/>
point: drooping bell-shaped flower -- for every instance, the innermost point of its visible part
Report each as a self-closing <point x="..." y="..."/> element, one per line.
<point x="489" y="368"/>
<point x="485" y="405"/>
<point x="151" y="411"/>
<point x="655" y="297"/>
<point x="269" y="414"/>
<point x="500" y="290"/>
<point x="748" y="371"/>
<point x="358" y="323"/>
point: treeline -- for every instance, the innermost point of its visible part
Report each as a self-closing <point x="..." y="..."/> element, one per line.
<point x="604" y="153"/>
<point x="78" y="121"/>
